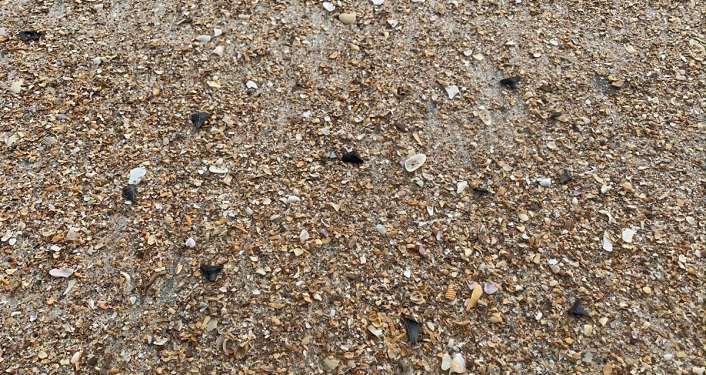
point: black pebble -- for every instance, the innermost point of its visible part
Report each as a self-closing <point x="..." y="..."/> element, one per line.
<point x="210" y="272"/>
<point x="29" y="36"/>
<point x="199" y="118"/>
<point x="513" y="83"/>
<point x="577" y="309"/>
<point x="352" y="158"/>
<point x="130" y="193"/>
<point x="413" y="328"/>
<point x="566" y="177"/>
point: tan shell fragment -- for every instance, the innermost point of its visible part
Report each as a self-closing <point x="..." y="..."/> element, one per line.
<point x="451" y="292"/>
<point x="475" y="296"/>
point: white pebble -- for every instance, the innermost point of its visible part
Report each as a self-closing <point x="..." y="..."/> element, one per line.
<point x="461" y="186"/>
<point x="219" y="51"/>
<point x="452" y="91"/>
<point x="628" y="234"/>
<point x="251" y="85"/>
<point x="329" y="6"/>
<point x="607" y="245"/>
<point x="61" y="272"/>
<point x="292" y="199"/>
<point x="203" y="39"/>
<point x="136" y="175"/>
<point x="544" y="181"/>
<point x="190" y="243"/>
<point x="380" y="228"/>
<point x="378" y="2"/>
<point x="413" y="162"/>
<point x="303" y="235"/>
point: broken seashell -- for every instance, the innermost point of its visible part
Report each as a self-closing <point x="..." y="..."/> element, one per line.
<point x="61" y="272"/>
<point x="414" y="162"/>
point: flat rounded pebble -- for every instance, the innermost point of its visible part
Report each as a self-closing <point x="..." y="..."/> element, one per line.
<point x="347" y="18"/>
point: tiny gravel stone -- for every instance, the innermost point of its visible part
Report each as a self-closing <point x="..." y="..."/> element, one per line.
<point x="303" y="235"/>
<point x="130" y="193"/>
<point x="210" y="272"/>
<point x="352" y="157"/>
<point x="198" y="119"/>
<point x="378" y="2"/>
<point x="16" y="87"/>
<point x="331" y="363"/>
<point x="219" y="51"/>
<point x="565" y="177"/>
<point x="190" y="242"/>
<point x="251" y="85"/>
<point x="381" y="229"/>
<point x="329" y="6"/>
<point x="512" y="83"/>
<point x="72" y="235"/>
<point x="347" y="18"/>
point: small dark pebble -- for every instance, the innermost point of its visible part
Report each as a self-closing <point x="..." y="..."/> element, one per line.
<point x="352" y="158"/>
<point x="566" y="177"/>
<point x="480" y="192"/>
<point x="29" y="36"/>
<point x="210" y="272"/>
<point x="199" y="118"/>
<point x="577" y="309"/>
<point x="130" y="193"/>
<point x="513" y="83"/>
<point x="413" y="328"/>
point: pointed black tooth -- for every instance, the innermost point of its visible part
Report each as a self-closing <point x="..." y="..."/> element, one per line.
<point x="413" y="328"/>
<point x="130" y="193"/>
<point x="481" y="192"/>
<point x="29" y="36"/>
<point x="513" y="83"/>
<point x="566" y="177"/>
<point x="352" y="158"/>
<point x="210" y="272"/>
<point x="577" y="309"/>
<point x="199" y="119"/>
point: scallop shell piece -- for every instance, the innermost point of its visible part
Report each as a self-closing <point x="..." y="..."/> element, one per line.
<point x="446" y="362"/>
<point x="414" y="162"/>
<point x="458" y="364"/>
